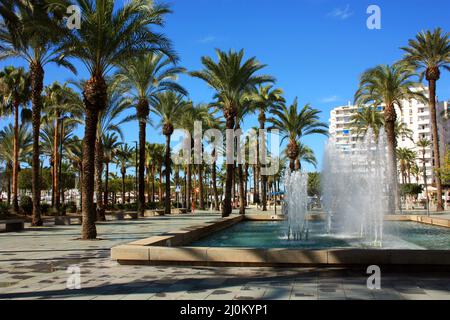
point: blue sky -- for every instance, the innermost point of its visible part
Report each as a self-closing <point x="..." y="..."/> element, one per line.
<point x="315" y="48"/>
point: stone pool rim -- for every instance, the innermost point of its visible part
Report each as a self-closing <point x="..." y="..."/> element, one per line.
<point x="172" y="248"/>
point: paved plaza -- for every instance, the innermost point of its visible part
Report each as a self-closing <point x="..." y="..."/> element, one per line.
<point x="34" y="265"/>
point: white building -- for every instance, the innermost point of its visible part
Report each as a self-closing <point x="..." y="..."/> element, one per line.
<point x="415" y="115"/>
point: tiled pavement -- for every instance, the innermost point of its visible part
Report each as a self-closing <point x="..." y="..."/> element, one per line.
<point x="33" y="265"/>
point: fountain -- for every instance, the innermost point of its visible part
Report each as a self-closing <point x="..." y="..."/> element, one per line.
<point x="355" y="187"/>
<point x="295" y="207"/>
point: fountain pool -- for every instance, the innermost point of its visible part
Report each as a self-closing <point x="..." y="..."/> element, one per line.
<point x="397" y="235"/>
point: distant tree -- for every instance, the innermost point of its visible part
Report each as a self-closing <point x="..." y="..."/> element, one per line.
<point x="314" y="184"/>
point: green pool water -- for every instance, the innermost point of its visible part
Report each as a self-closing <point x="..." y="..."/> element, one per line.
<point x="397" y="235"/>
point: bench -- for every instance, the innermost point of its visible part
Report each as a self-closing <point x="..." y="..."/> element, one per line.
<point x="13" y="225"/>
<point x="152" y="213"/>
<point x="68" y="220"/>
<point x="122" y="215"/>
<point x="179" y="211"/>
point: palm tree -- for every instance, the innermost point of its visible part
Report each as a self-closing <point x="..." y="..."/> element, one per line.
<point x="388" y="86"/>
<point x="109" y="121"/>
<point x="62" y="106"/>
<point x="14" y="91"/>
<point x="30" y="31"/>
<point x="406" y="158"/>
<point x="367" y="118"/>
<point x="428" y="53"/>
<point x="423" y="144"/>
<point x="123" y="154"/>
<point x="8" y="145"/>
<point x="294" y="125"/>
<point x="75" y="156"/>
<point x="110" y="35"/>
<point x="145" y="76"/>
<point x="110" y="145"/>
<point x="231" y="78"/>
<point x="169" y="106"/>
<point x="263" y="100"/>
<point x="306" y="154"/>
<point x="49" y="144"/>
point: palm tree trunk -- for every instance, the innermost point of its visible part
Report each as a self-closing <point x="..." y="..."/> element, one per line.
<point x="95" y="93"/>
<point x="185" y="192"/>
<point x="437" y="158"/>
<point x="241" y="190"/>
<point x="167" y="205"/>
<point x="15" y="177"/>
<point x="37" y="80"/>
<point x="246" y="176"/>
<point x="390" y="118"/>
<point x="200" y="186"/>
<point x="141" y="178"/>
<point x="255" y="182"/>
<point x="8" y="187"/>
<point x="262" y="118"/>
<point x="256" y="175"/>
<point x="99" y="183"/>
<point x="153" y="183"/>
<point x="189" y="188"/>
<point x="105" y="197"/>
<point x="89" y="230"/>
<point x="80" y="183"/>
<point x="160" y="184"/>
<point x="55" y="164"/>
<point x="123" y="172"/>
<point x="214" y="183"/>
<point x="52" y="172"/>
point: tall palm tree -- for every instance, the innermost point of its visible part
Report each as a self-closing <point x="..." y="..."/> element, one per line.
<point x="388" y="86"/>
<point x="428" y="53"/>
<point x="263" y="100"/>
<point x="294" y="125"/>
<point x="49" y="144"/>
<point x="109" y="121"/>
<point x="14" y="91"/>
<point x="123" y="154"/>
<point x="423" y="144"/>
<point x="62" y="106"/>
<point x="169" y="106"/>
<point x="231" y="77"/>
<point x="110" y="34"/>
<point x="406" y="158"/>
<point x="306" y="154"/>
<point x="367" y="118"/>
<point x="110" y="145"/>
<point x="30" y="30"/>
<point x="75" y="156"/>
<point x="8" y="145"/>
<point x="145" y="76"/>
<point x="150" y="164"/>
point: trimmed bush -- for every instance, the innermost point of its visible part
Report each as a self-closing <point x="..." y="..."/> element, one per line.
<point x="26" y="205"/>
<point x="45" y="207"/>
<point x="4" y="208"/>
<point x="71" y="207"/>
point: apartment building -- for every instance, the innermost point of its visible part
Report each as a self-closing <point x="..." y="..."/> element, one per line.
<point x="414" y="114"/>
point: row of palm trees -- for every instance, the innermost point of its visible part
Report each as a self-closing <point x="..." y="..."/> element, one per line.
<point x="121" y="41"/>
<point x="389" y="85"/>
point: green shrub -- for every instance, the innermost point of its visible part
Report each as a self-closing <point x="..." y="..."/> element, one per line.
<point x="410" y="189"/>
<point x="130" y="206"/>
<point x="4" y="208"/>
<point x="71" y="207"/>
<point x="26" y="205"/>
<point x="177" y="205"/>
<point x="45" y="207"/>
